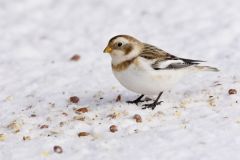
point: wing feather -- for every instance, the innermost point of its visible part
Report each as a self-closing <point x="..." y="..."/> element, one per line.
<point x="164" y="60"/>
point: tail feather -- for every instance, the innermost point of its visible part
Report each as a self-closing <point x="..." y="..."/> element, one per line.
<point x="207" y="68"/>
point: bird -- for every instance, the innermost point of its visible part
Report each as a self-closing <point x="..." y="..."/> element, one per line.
<point x="146" y="69"/>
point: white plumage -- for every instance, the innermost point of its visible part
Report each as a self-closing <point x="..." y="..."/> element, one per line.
<point x="141" y="78"/>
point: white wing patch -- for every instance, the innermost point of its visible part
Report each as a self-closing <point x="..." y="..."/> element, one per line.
<point x="170" y="64"/>
<point x="165" y="64"/>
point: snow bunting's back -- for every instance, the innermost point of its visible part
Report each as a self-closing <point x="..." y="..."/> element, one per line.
<point x="146" y="69"/>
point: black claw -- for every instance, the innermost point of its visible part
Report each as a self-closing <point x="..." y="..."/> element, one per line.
<point x="154" y="104"/>
<point x="151" y="105"/>
<point x="136" y="101"/>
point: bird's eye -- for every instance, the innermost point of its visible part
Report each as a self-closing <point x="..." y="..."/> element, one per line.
<point x="119" y="44"/>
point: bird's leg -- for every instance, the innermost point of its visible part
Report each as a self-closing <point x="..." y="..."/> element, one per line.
<point x="154" y="104"/>
<point x="136" y="101"/>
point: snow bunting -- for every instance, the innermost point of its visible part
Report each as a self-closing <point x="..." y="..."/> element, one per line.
<point x="146" y="69"/>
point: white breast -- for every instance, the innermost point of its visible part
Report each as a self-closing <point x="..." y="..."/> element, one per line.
<point x="141" y="78"/>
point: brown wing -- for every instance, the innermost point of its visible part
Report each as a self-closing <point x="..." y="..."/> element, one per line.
<point x="152" y="52"/>
<point x="165" y="59"/>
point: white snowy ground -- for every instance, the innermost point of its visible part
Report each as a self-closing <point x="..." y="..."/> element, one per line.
<point x="198" y="119"/>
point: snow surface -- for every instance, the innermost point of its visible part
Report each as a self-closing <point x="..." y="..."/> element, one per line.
<point x="198" y="119"/>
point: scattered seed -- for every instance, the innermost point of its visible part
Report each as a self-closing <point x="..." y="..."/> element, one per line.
<point x="81" y="110"/>
<point x="232" y="91"/>
<point x="61" y="124"/>
<point x="113" y="128"/>
<point x="79" y="118"/>
<point x="33" y="115"/>
<point x="211" y="101"/>
<point x="75" y="57"/>
<point x="15" y="126"/>
<point x="25" y="138"/>
<point x="43" y="126"/>
<point x="52" y="104"/>
<point x="74" y="99"/>
<point x="138" y="118"/>
<point x="65" y="114"/>
<point x="113" y="115"/>
<point x="82" y="134"/>
<point x="57" y="149"/>
<point x="119" y="97"/>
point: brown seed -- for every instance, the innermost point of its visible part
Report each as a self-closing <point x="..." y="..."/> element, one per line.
<point x="232" y="91"/>
<point x="25" y="138"/>
<point x="75" y="57"/>
<point x="119" y="97"/>
<point x="44" y="126"/>
<point x="81" y="110"/>
<point x="112" y="116"/>
<point x="113" y="128"/>
<point x="74" y="99"/>
<point x="15" y="126"/>
<point x="57" y="149"/>
<point x="65" y="114"/>
<point x="82" y="134"/>
<point x="61" y="124"/>
<point x="138" y="118"/>
<point x="79" y="118"/>
<point x="33" y="115"/>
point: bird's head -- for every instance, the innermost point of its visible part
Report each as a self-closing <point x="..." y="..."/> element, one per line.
<point x="123" y="48"/>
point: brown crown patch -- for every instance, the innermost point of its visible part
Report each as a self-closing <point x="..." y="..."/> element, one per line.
<point x="130" y="38"/>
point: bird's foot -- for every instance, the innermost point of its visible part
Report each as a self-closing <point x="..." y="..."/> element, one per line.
<point x="151" y="105"/>
<point x="136" y="101"/>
